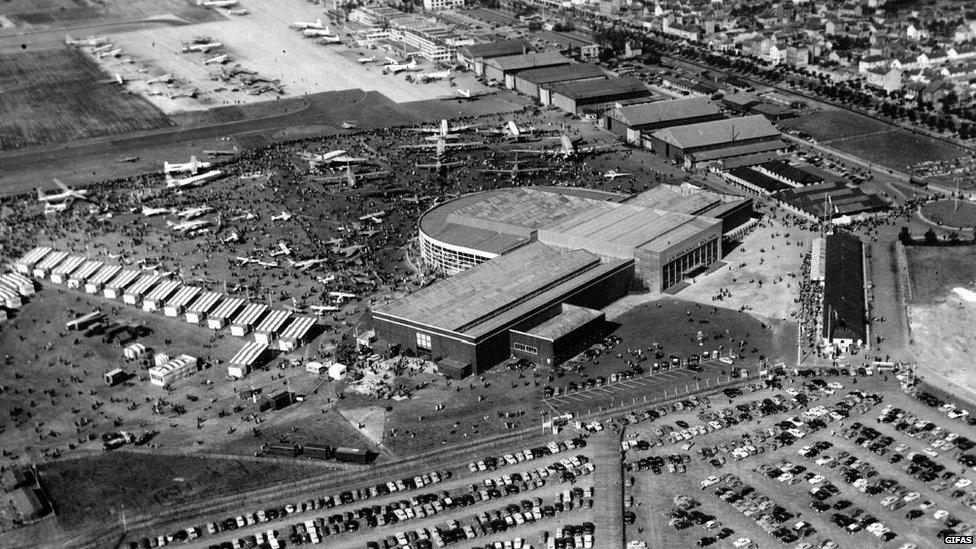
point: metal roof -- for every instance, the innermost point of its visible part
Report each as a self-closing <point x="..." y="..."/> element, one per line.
<point x="676" y="199"/>
<point x="183" y="296"/>
<point x="35" y="255"/>
<point x="250" y="314"/>
<point x="123" y="279"/>
<point x="227" y="308"/>
<point x="104" y="274"/>
<point x="273" y="322"/>
<point x="569" y="319"/>
<point x="163" y="290"/>
<point x="298" y="327"/>
<point x="204" y="303"/>
<point x="68" y="265"/>
<point x="658" y="112"/>
<point x="249" y="353"/>
<point x="562" y="73"/>
<point x="514" y="63"/>
<point x="843" y="294"/>
<point x="86" y="270"/>
<point x="498" y="48"/>
<point x="589" y="89"/>
<point x="143" y="284"/>
<point x="471" y="298"/>
<point x="717" y="132"/>
<point x="52" y="259"/>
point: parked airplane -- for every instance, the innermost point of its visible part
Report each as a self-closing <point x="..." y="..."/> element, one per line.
<point x="188" y="92"/>
<point x="239" y="11"/>
<point x="369" y="59"/>
<point x="217" y="3"/>
<point x="468" y="95"/>
<point x="221" y="59"/>
<point x="567" y="149"/>
<point x="233" y="237"/>
<point x="189" y="167"/>
<point x="110" y="53"/>
<point x="283" y="216"/>
<point x="328" y="40"/>
<point x="444" y="130"/>
<point x="202" y="48"/>
<point x="303" y="25"/>
<point x="322" y="309"/>
<point x="149" y="212"/>
<point x="163" y="79"/>
<point x="374" y="216"/>
<point x="283" y="249"/>
<point x="352" y="177"/>
<point x="515" y="171"/>
<point x="439" y="75"/>
<point x="349" y="124"/>
<point x="66" y="196"/>
<point x="332" y="157"/>
<point x="93" y="41"/>
<point x="116" y="79"/>
<point x="399" y="67"/>
<point x="307" y="263"/>
<point x="441" y="145"/>
<point x="318" y="32"/>
<point x="193" y="181"/>
<point x="614" y="174"/>
<point x="342" y="295"/>
<point x="192" y="213"/>
<point x="188" y="226"/>
<point x="103" y="48"/>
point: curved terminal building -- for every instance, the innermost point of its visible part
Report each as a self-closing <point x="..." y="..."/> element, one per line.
<point x="532" y="264"/>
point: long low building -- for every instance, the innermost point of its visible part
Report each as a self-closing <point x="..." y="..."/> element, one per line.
<point x="26" y="264"/>
<point x="198" y="310"/>
<point x="246" y="320"/>
<point x="528" y="82"/>
<point x="592" y="95"/>
<point x="504" y="69"/>
<point x="59" y="275"/>
<point x="224" y="312"/>
<point x="717" y="140"/>
<point x="844" y="322"/>
<point x="267" y="332"/>
<point x="83" y="273"/>
<point x="296" y="333"/>
<point x="154" y="299"/>
<point x="633" y="122"/>
<point x="50" y="261"/>
<point x="98" y="280"/>
<point x="174" y="307"/>
<point x="115" y="287"/>
<point x="468" y="317"/>
<point x="246" y="359"/>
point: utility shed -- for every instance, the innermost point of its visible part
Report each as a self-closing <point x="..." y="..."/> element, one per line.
<point x="558" y="338"/>
<point x="575" y="97"/>
<point x="294" y="336"/>
<point x="528" y="82"/>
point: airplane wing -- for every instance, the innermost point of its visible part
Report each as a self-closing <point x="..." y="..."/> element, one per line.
<point x="61" y="185"/>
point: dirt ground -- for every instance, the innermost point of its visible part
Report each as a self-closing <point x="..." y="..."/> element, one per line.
<point x="260" y="41"/>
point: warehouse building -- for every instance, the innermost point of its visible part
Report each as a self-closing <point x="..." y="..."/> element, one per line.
<point x="114" y="288"/>
<point x="296" y="334"/>
<point x="50" y="261"/>
<point x="267" y="332"/>
<point x="134" y="293"/>
<point x="633" y="122"/>
<point x="248" y="358"/>
<point x="504" y="69"/>
<point x="155" y="299"/>
<point x="18" y="283"/>
<point x="843" y="325"/>
<point x="175" y="306"/>
<point x="789" y="174"/>
<point x="468" y="317"/>
<point x="59" y="275"/>
<point x="593" y="95"/>
<point x="717" y="140"/>
<point x="246" y="320"/>
<point x="473" y="56"/>
<point x="198" y="310"/>
<point x="528" y="82"/>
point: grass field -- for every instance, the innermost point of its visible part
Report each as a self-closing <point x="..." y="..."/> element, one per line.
<point x="833" y="124"/>
<point x="934" y="271"/>
<point x="87" y="490"/>
<point x="56" y="95"/>
<point x="944" y="212"/>
<point x="898" y="149"/>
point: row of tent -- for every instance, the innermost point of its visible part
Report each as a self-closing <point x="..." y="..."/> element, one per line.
<point x="153" y="292"/>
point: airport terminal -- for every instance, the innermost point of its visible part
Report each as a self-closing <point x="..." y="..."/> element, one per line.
<point x="526" y="259"/>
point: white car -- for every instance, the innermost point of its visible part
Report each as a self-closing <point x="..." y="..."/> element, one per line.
<point x="912" y="496"/>
<point x="963" y="482"/>
<point x="816" y="479"/>
<point x="834" y="385"/>
<point x="709" y="481"/>
<point x="742" y="542"/>
<point x="941" y="514"/>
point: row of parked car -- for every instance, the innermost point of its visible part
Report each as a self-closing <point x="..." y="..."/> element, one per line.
<point x="770" y="516"/>
<point x="490" y="463"/>
<point x="954" y="411"/>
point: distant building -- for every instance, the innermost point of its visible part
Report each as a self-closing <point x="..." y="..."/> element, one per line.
<point x="633" y="122"/>
<point x="791" y="175"/>
<point x="432" y="5"/>
<point x="504" y="69"/>
<point x="475" y="53"/>
<point x="528" y="82"/>
<point x="717" y="140"/>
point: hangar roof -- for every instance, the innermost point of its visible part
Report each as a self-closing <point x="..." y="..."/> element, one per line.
<point x="717" y="132"/>
<point x="569" y="319"/>
<point x="563" y="73"/>
<point x="666" y="111"/>
<point x="588" y="89"/>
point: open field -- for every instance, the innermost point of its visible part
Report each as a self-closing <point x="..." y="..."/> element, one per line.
<point x="57" y="95"/>
<point x="898" y="149"/>
<point x="827" y="125"/>
<point x="941" y="322"/>
<point x="262" y="42"/>
<point x="951" y="214"/>
<point x="94" y="489"/>
<point x="38" y="15"/>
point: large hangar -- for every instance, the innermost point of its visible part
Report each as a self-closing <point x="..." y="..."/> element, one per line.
<point x="526" y="259"/>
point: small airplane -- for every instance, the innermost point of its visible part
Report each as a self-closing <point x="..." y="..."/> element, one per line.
<point x="103" y="48"/>
<point x="515" y="171"/>
<point x="510" y="130"/>
<point x="245" y="260"/>
<point x="399" y="67"/>
<point x="437" y="165"/>
<point x="233" y="237"/>
<point x="283" y="216"/>
<point x="117" y="52"/>
<point x="149" y="212"/>
<point x="342" y="296"/>
<point x="283" y="249"/>
<point x="127" y="159"/>
<point x="373" y="216"/>
<point x="217" y="3"/>
<point x="221" y="59"/>
<point x="322" y="309"/>
<point x="93" y="41"/>
<point x="468" y="95"/>
<point x="444" y="130"/>
<point x="307" y="263"/>
<point x="188" y="226"/>
<point x="364" y="60"/>
<point x="614" y="174"/>
<point x="162" y="79"/>
<point x="188" y="92"/>
<point x="349" y="124"/>
<point x="267" y="264"/>
<point x="193" y="181"/>
<point x="188" y="167"/>
<point x="350" y="251"/>
<point x="326" y="279"/>
<point x="304" y="25"/>
<point x="192" y="213"/>
<point x="351" y="177"/>
<point x="247" y="216"/>
<point x="65" y="197"/>
<point x="318" y="32"/>
<point x="332" y="157"/>
<point x="329" y="39"/>
<point x="202" y="48"/>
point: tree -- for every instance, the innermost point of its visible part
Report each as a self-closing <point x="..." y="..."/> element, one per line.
<point x="930" y="237"/>
<point x="905" y="236"/>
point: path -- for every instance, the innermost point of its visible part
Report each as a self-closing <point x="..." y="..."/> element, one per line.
<point x="608" y="500"/>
